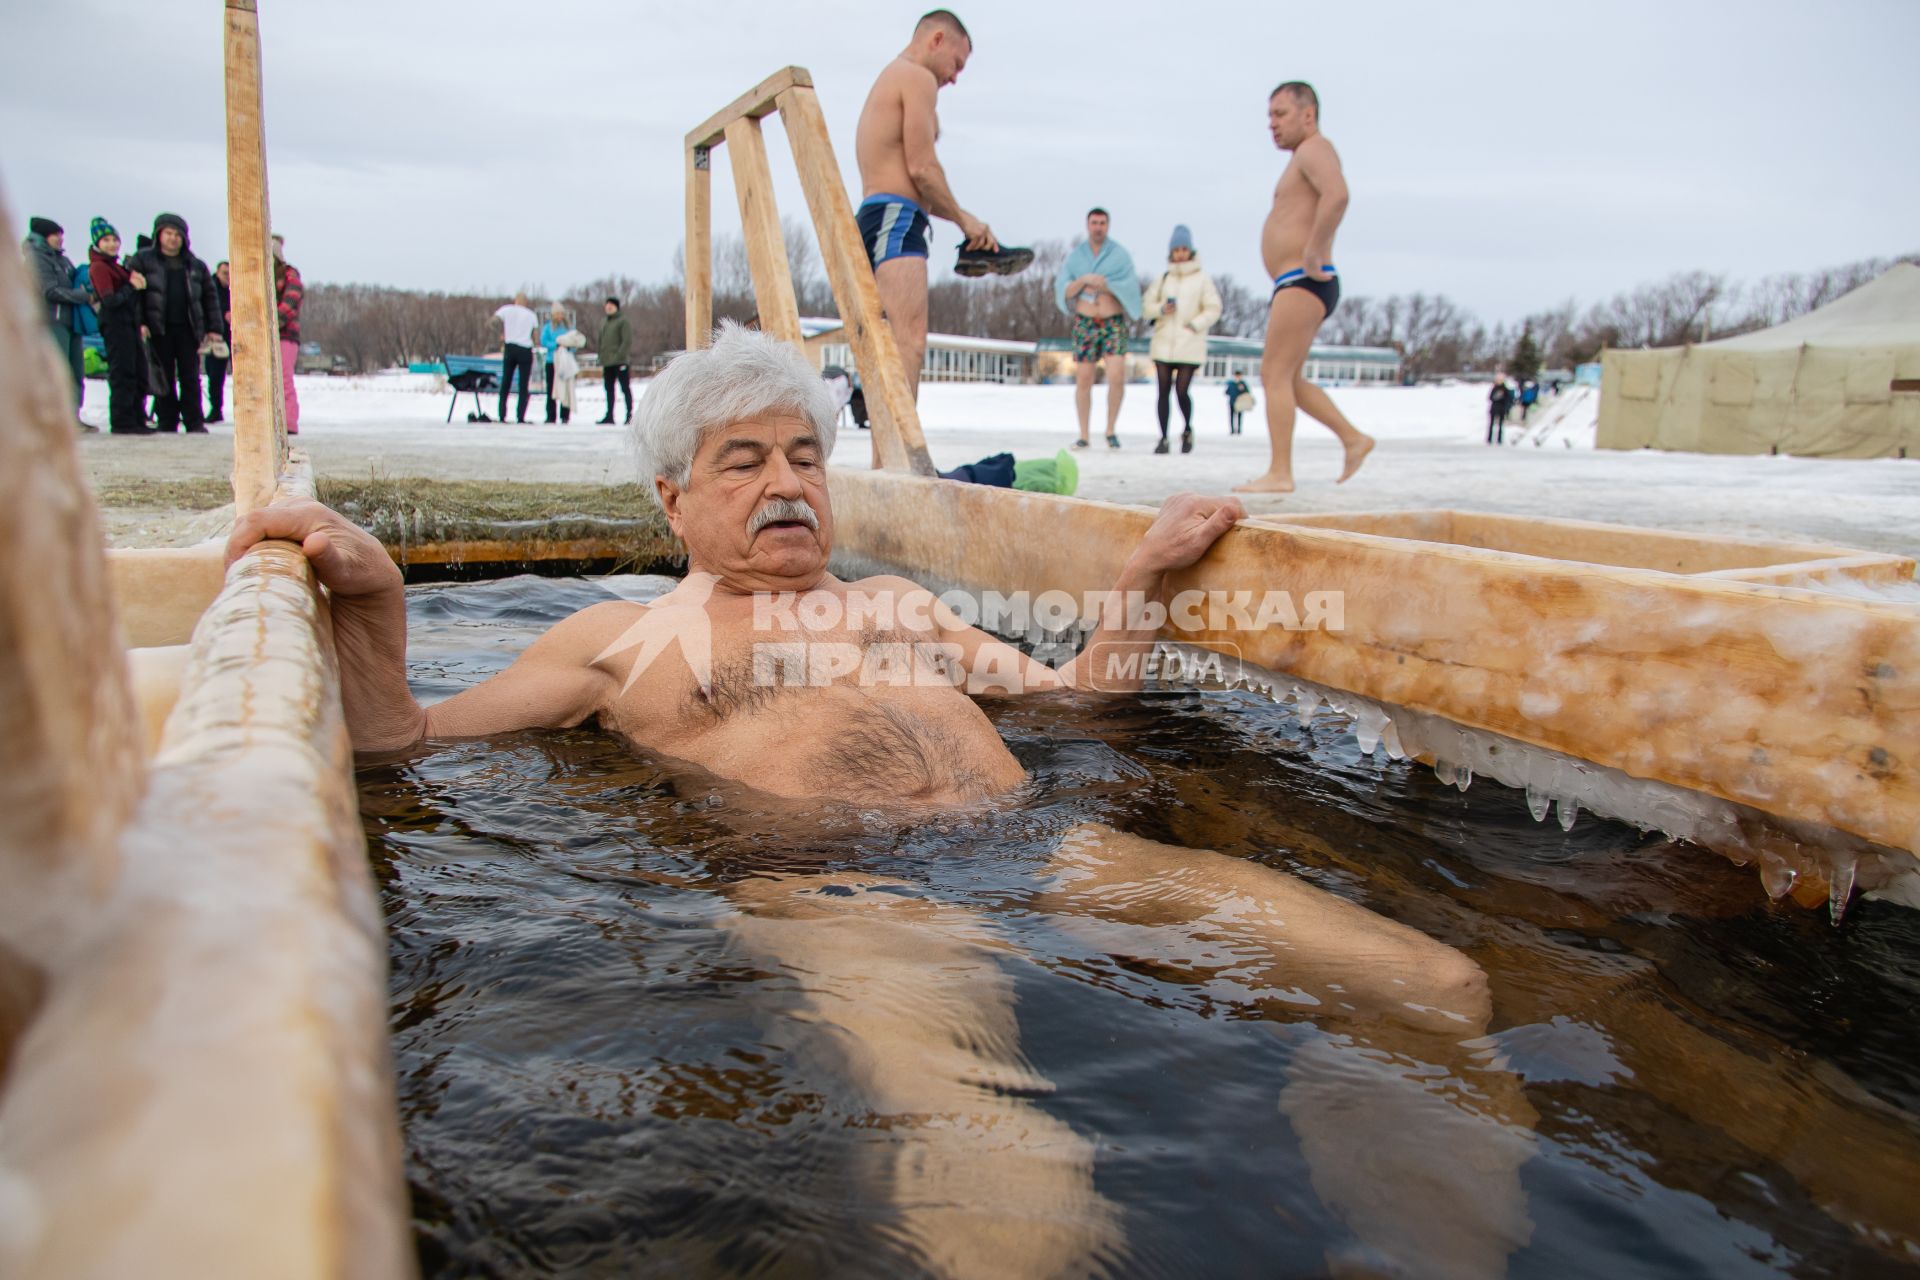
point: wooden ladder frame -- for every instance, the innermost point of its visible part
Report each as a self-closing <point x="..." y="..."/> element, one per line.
<point x="259" y="407"/>
<point x="789" y="91"/>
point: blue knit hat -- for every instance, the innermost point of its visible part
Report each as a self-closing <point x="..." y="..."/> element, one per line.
<point x="1182" y="239"/>
<point x="99" y="230"/>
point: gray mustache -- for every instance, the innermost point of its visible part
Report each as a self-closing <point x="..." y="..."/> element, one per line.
<point x="783" y="509"/>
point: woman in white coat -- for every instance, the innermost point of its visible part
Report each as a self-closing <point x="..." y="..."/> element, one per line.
<point x="1184" y="305"/>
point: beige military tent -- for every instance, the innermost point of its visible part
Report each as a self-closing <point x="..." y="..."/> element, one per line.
<point x="1839" y="382"/>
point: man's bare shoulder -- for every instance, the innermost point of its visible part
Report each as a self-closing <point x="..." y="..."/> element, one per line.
<point x="887" y="583"/>
<point x="900" y="82"/>
<point x="582" y="637"/>
<point x="1317" y="150"/>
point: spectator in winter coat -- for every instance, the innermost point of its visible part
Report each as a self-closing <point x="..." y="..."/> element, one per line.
<point x="1183" y="304"/>
<point x="218" y="356"/>
<point x="1236" y="387"/>
<point x="1499" y="400"/>
<point x="53" y="276"/>
<point x="181" y="314"/>
<point x="616" y="348"/>
<point x="550" y="339"/>
<point x="119" y="292"/>
<point x="287" y="294"/>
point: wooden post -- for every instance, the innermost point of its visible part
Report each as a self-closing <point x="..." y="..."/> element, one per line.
<point x="698" y="287"/>
<point x="70" y="768"/>
<point x="896" y="422"/>
<point x="259" y="413"/>
<point x="760" y="220"/>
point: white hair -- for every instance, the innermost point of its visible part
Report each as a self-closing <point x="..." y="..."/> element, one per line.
<point x="741" y="374"/>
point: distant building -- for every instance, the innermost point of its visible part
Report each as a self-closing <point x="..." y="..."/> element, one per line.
<point x="957" y="358"/>
<point x="950" y="357"/>
<point x="1230" y="357"/>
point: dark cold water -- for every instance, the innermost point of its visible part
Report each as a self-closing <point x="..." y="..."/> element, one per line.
<point x="599" y="1074"/>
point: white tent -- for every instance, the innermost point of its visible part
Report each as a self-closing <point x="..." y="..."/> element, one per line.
<point x="1840" y="382"/>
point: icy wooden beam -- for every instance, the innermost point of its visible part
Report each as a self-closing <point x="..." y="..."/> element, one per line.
<point x="259" y="412"/>
<point x="1622" y="546"/>
<point x="1803" y="706"/>
<point x="70" y="769"/>
<point x="760" y="220"/>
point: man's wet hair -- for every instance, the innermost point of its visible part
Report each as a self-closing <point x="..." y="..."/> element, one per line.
<point x="943" y="18"/>
<point x="1099" y="212"/>
<point x="1301" y="92"/>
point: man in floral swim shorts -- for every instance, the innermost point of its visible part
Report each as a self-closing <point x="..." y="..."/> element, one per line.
<point x="1098" y="287"/>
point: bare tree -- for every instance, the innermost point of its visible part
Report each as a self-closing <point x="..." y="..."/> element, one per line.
<point x="1243" y="312"/>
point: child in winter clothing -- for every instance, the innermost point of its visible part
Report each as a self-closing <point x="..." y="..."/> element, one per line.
<point x="120" y="292"/>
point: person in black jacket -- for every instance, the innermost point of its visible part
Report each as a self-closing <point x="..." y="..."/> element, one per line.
<point x="221" y="352"/>
<point x="1499" y="400"/>
<point x="182" y="315"/>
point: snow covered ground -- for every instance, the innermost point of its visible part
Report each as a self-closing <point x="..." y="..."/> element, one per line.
<point x="1431" y="455"/>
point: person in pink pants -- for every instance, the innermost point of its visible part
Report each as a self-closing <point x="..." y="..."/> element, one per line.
<point x="287" y="293"/>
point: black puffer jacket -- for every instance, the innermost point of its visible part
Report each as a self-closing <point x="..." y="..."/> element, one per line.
<point x="203" y="300"/>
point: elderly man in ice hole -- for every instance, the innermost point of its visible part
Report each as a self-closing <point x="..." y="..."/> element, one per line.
<point x="914" y="993"/>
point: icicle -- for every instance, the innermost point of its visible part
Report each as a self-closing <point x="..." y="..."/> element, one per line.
<point x="1569" y="810"/>
<point x="1538" y="802"/>
<point x="1463" y="777"/>
<point x="1443" y="770"/>
<point x="1776" y="877"/>
<point x="1840" y="884"/>
<point x="1366" y="735"/>
<point x="1390" y="736"/>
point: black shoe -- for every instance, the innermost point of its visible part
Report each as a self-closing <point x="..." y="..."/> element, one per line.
<point x="196" y="431"/>
<point x="1003" y="261"/>
<point x="629" y="417"/>
<point x="142" y="430"/>
<point x="1113" y="442"/>
<point x="214" y="417"/>
<point x="1081" y="444"/>
<point x="1162" y="446"/>
<point x="603" y="422"/>
<point x="1186" y="440"/>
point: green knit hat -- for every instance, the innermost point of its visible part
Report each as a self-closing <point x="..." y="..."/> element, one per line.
<point x="99" y="230"/>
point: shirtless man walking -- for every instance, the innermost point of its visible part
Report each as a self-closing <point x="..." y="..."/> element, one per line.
<point x="901" y="180"/>
<point x="1297" y="246"/>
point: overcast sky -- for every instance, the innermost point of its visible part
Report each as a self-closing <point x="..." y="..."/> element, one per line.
<point x="1510" y="155"/>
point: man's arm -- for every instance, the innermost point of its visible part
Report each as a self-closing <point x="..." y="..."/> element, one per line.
<point x="554" y="684"/>
<point x="1113" y="659"/>
<point x="918" y="127"/>
<point x="1321" y="168"/>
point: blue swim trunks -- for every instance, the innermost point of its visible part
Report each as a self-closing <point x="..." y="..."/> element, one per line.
<point x="892" y="227"/>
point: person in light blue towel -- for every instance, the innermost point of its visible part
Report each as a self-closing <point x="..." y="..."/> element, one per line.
<point x="1098" y="287"/>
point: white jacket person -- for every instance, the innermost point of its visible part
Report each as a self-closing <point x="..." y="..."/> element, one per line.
<point x="1181" y="338"/>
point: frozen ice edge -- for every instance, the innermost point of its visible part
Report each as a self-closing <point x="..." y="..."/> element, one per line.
<point x="1781" y="849"/>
